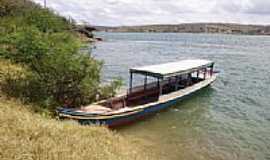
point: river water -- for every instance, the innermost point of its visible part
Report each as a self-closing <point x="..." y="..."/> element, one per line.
<point x="229" y="120"/>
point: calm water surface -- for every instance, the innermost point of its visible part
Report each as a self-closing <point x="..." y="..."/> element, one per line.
<point x="229" y="120"/>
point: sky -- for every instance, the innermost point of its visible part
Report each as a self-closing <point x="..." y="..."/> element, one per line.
<point x="142" y="12"/>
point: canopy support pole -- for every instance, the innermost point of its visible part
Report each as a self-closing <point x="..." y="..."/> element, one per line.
<point x="130" y="82"/>
<point x="160" y="86"/>
<point x="204" y="73"/>
<point x="212" y="69"/>
<point x="145" y="82"/>
<point x="177" y="80"/>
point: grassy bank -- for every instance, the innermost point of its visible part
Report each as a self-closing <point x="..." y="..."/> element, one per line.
<point x="26" y="135"/>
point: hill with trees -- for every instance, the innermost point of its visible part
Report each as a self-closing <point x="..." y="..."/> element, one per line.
<point x="224" y="28"/>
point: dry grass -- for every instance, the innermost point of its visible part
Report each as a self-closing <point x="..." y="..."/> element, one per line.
<point x="26" y="135"/>
<point x="10" y="69"/>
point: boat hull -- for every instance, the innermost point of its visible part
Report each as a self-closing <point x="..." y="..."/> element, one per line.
<point x="129" y="117"/>
<point x="120" y="121"/>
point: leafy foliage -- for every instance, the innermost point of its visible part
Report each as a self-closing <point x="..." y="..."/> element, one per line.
<point x="57" y="72"/>
<point x="110" y="89"/>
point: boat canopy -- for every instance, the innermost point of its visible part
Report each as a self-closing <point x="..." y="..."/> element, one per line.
<point x="172" y="68"/>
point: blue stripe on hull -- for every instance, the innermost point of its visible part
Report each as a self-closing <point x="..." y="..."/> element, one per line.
<point x="130" y="118"/>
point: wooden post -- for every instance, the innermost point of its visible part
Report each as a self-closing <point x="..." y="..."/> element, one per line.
<point x="130" y="82"/>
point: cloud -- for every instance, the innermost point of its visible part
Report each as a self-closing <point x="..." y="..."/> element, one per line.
<point x="139" y="12"/>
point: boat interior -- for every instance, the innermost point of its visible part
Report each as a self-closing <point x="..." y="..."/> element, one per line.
<point x="151" y="92"/>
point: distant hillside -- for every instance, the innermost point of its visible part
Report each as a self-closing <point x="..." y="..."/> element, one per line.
<point x="225" y="28"/>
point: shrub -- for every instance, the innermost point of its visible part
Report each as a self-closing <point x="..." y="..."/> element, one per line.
<point x="58" y="72"/>
<point x="56" y="65"/>
<point x="13" y="7"/>
<point x="109" y="90"/>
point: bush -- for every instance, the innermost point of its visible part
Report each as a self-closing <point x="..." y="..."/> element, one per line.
<point x="110" y="89"/>
<point x="13" y="7"/>
<point x="58" y="73"/>
<point x="56" y="65"/>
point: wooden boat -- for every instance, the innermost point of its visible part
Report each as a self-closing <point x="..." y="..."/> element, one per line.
<point x="173" y="82"/>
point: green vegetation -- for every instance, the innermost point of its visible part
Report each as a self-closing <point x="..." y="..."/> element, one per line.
<point x="55" y="71"/>
<point x="41" y="63"/>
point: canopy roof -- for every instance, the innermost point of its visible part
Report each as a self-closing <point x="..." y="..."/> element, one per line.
<point x="172" y="68"/>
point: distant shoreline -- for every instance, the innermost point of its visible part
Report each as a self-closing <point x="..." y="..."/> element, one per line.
<point x="224" y="28"/>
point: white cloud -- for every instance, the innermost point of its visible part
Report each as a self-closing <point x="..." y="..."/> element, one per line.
<point x="138" y="12"/>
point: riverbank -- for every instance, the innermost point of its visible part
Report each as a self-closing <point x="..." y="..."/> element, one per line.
<point x="224" y="28"/>
<point x="27" y="135"/>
